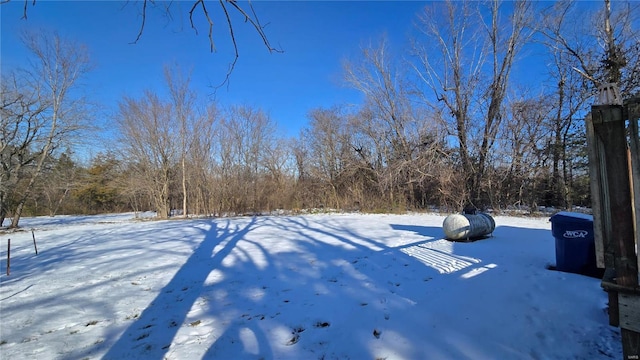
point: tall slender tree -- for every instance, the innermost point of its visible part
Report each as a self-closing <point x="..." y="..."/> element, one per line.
<point x="183" y="107"/>
<point x="43" y="111"/>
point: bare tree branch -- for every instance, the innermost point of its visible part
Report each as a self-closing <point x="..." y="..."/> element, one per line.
<point x="254" y="21"/>
<point x="256" y="24"/>
<point x="250" y="16"/>
<point x="206" y="15"/>
<point x="26" y="3"/>
<point x="232" y="65"/>
<point x="144" y="19"/>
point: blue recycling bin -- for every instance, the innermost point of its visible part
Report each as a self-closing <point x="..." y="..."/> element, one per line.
<point x="575" y="245"/>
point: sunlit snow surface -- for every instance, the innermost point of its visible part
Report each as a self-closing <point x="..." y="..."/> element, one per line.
<point x="340" y="286"/>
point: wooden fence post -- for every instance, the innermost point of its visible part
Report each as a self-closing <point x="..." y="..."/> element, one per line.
<point x="8" y="257"/>
<point x="616" y="219"/>
<point x="34" y="241"/>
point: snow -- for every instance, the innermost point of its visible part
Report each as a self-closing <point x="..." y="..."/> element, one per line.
<point x="338" y="286"/>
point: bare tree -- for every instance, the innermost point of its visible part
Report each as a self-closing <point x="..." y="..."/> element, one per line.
<point x="587" y="48"/>
<point x="246" y="136"/>
<point x="147" y="135"/>
<point x="386" y="95"/>
<point x="60" y="177"/>
<point x="19" y="124"/>
<point x="450" y="65"/>
<point x="603" y="46"/>
<point x="182" y="101"/>
<point x="303" y="192"/>
<point x="570" y="98"/>
<point x="169" y="144"/>
<point x="201" y="159"/>
<point x="465" y="63"/>
<point x="41" y="112"/>
<point x="520" y="155"/>
<point x="278" y="176"/>
<point x="401" y="131"/>
<point x="327" y="139"/>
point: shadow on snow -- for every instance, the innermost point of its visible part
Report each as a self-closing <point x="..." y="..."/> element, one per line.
<point x="324" y="287"/>
<point x="151" y="335"/>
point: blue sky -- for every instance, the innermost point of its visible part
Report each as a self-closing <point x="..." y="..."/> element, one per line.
<point x="316" y="38"/>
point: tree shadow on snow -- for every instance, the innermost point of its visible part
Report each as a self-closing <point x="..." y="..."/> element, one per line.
<point x="334" y="287"/>
<point x="428" y="231"/>
<point x="327" y="288"/>
<point x="151" y="335"/>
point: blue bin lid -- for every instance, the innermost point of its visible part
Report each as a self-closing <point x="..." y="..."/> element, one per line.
<point x="573" y="217"/>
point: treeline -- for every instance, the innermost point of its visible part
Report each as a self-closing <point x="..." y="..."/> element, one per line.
<point x="444" y="125"/>
<point x="232" y="162"/>
<point x="243" y="168"/>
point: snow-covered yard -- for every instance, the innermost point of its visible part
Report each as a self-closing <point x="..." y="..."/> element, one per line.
<point x="339" y="286"/>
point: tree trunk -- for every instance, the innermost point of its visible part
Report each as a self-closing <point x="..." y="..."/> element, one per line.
<point x="43" y="156"/>
<point x="184" y="187"/>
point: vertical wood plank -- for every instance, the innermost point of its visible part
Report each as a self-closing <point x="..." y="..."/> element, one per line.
<point x="610" y="127"/>
<point x="629" y="305"/>
<point x="605" y="254"/>
<point x="596" y="196"/>
<point x="634" y="154"/>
